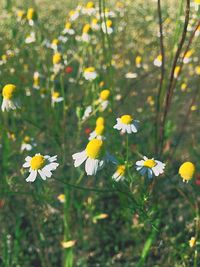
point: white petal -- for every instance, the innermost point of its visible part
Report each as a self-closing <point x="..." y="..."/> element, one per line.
<point x="140" y="163"/>
<point x="32" y="176"/>
<point x="91" y="166"/>
<point x="133" y="128"/>
<point x="78" y="155"/>
<point x="43" y="176"/>
<point x="80" y="159"/>
<point x="46" y="172"/>
<point x="28" y="158"/>
<point x="26" y="165"/>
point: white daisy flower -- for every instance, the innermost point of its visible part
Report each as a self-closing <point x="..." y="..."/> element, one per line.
<point x="98" y="133"/>
<point x="56" y="98"/>
<point x="150" y="167"/>
<point x="31" y="38"/>
<point x="36" y="80"/>
<point x="9" y="98"/>
<point x="126" y="124"/>
<point x="27" y="144"/>
<point x="158" y="61"/>
<point x="68" y="29"/>
<point x="107" y="26"/>
<point x="73" y="15"/>
<point x="55" y="45"/>
<point x="94" y="25"/>
<point x="90" y="74"/>
<point x="85" y="33"/>
<point x="93" y="157"/>
<point x="44" y="165"/>
<point x="89" y="9"/>
<point x="103" y="99"/>
<point x="119" y="173"/>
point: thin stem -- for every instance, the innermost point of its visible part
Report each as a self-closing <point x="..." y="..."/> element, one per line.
<point x="170" y="86"/>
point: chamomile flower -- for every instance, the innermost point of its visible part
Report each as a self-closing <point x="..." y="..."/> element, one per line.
<point x="158" y="61"/>
<point x="98" y="133"/>
<point x="31" y="38"/>
<point x="73" y="15"/>
<point x="55" y="45"/>
<point x="68" y="29"/>
<point x="103" y="99"/>
<point x="192" y="242"/>
<point x="44" y="165"/>
<point x="119" y="173"/>
<point x="177" y="71"/>
<point x="90" y="74"/>
<point x="61" y="198"/>
<point x="95" y="25"/>
<point x="27" y="144"/>
<point x="56" y="98"/>
<point x="150" y="167"/>
<point x="57" y="63"/>
<point x="107" y="27"/>
<point x="126" y="124"/>
<point x="21" y="15"/>
<point x="186" y="171"/>
<point x="93" y="156"/>
<point x="187" y="58"/>
<point x="89" y="9"/>
<point x="10" y="100"/>
<point x="85" y="33"/>
<point x="36" y="80"/>
<point x="138" y="61"/>
<point x="31" y="16"/>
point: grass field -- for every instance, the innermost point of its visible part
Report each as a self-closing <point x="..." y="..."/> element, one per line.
<point x="99" y="133"/>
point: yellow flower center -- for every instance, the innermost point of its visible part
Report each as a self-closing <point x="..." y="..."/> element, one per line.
<point x="126" y="119"/>
<point x="30" y="14"/>
<point x="37" y="162"/>
<point x="99" y="129"/>
<point x="109" y="23"/>
<point x="68" y="25"/>
<point x="26" y="139"/>
<point x="100" y="121"/>
<point x="159" y="58"/>
<point x="86" y="28"/>
<point x="177" y="70"/>
<point x="57" y="58"/>
<point x="94" y="148"/>
<point x="197" y="70"/>
<point x="90" y="4"/>
<point x="95" y="21"/>
<point x="149" y="163"/>
<point x="121" y="169"/>
<point x="187" y="170"/>
<point x="190" y="52"/>
<point x="138" y="60"/>
<point x="89" y="69"/>
<point x="55" y="95"/>
<point x="20" y="13"/>
<point x="9" y="91"/>
<point x="105" y="94"/>
<point x="71" y="13"/>
<point x="55" y="41"/>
